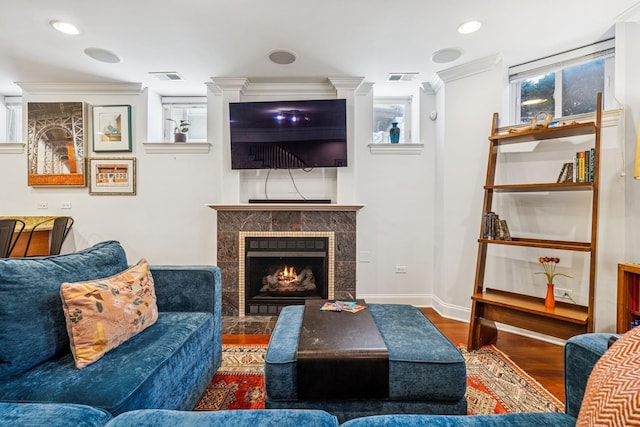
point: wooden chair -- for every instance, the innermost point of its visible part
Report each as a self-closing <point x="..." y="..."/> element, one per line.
<point x="10" y="230"/>
<point x="61" y="227"/>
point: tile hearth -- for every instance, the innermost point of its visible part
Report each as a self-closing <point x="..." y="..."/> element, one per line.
<point x="248" y="325"/>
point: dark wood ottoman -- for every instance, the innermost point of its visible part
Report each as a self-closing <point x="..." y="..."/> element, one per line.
<point x="427" y="373"/>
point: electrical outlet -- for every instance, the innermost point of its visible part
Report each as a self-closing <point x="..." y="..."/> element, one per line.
<point x="562" y="293"/>
<point x="42" y="205"/>
<point x="401" y="269"/>
<point x="65" y="205"/>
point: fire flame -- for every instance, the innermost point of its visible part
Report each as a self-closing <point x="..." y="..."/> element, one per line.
<point x="288" y="274"/>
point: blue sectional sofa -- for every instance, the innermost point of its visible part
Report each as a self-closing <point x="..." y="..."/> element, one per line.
<point x="581" y="354"/>
<point x="168" y="365"/>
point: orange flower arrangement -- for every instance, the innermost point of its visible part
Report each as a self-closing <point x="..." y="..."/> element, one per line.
<point x="549" y="264"/>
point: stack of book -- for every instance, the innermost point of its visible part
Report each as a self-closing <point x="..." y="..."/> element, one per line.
<point x="494" y="228"/>
<point x="581" y="169"/>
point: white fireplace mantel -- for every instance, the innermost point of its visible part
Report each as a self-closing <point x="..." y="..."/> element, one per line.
<point x="286" y="207"/>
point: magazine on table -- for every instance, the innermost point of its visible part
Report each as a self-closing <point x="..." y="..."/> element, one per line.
<point x="348" y="306"/>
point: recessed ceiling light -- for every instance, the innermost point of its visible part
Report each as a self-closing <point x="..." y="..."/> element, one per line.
<point x="65" y="27"/>
<point x="446" y="55"/>
<point x="469" y="27"/>
<point x="282" y="56"/>
<point x="102" y="55"/>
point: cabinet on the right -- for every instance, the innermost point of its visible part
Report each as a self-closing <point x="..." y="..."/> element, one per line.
<point x="628" y="315"/>
<point x="490" y="304"/>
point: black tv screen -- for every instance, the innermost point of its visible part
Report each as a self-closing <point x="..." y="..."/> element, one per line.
<point x="288" y="134"/>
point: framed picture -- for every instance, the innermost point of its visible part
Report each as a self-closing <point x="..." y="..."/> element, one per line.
<point x="111" y="128"/>
<point x="112" y="176"/>
<point x="56" y="144"/>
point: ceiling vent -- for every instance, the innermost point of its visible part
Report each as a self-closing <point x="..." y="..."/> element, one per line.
<point x="166" y="75"/>
<point x="401" y="77"/>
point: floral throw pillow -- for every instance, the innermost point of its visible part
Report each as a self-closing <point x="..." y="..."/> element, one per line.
<point x="104" y="313"/>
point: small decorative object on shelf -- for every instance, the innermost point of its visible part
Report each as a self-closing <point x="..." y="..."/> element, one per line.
<point x="549" y="264"/>
<point x="539" y="121"/>
<point x="181" y="130"/>
<point x="394" y="133"/>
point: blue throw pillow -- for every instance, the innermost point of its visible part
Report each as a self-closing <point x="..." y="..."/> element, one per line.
<point x="32" y="325"/>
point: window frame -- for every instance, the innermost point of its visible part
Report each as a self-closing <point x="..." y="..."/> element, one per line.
<point x="13" y="121"/>
<point x="556" y="64"/>
<point x="407" y="101"/>
<point x="184" y="102"/>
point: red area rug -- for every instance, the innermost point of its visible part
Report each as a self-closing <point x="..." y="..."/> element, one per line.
<point x="495" y="384"/>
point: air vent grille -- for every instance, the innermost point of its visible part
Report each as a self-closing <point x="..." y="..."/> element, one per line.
<point x="166" y="75"/>
<point x="401" y="77"/>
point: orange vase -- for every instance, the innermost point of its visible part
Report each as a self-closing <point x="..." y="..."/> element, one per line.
<point x="549" y="301"/>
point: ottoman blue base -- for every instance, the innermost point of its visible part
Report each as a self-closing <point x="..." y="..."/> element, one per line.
<point x="427" y="373"/>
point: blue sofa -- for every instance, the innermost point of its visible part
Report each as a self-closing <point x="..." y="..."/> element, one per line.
<point x="167" y="366"/>
<point x="581" y="354"/>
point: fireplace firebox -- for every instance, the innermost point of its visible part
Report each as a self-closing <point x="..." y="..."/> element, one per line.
<point x="281" y="271"/>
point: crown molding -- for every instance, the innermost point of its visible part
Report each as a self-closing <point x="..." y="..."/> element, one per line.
<point x="470" y="68"/>
<point x="73" y="88"/>
<point x="428" y="89"/>
<point x="227" y="83"/>
<point x="364" y="88"/>
<point x="346" y="83"/>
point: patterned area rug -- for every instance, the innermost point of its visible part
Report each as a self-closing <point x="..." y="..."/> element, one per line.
<point x="239" y="382"/>
<point x="495" y="384"/>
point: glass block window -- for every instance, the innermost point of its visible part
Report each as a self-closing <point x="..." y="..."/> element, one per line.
<point x="193" y="109"/>
<point x="13" y="105"/>
<point x="387" y="110"/>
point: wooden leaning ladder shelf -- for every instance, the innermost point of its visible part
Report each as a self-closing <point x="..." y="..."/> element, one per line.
<point x="524" y="311"/>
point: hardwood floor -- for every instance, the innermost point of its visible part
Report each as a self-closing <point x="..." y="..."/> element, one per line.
<point x="543" y="361"/>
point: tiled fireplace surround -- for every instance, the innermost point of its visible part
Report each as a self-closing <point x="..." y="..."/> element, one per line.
<point x="232" y="220"/>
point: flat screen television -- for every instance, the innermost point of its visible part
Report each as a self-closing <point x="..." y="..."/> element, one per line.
<point x="288" y="134"/>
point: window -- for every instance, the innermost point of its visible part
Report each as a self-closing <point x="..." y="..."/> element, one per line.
<point x="13" y="105"/>
<point x="192" y="109"/>
<point x="387" y="110"/>
<point x="565" y="84"/>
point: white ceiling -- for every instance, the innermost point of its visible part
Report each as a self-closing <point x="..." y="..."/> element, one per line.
<point x="201" y="39"/>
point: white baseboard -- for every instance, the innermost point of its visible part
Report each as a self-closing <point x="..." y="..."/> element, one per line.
<point x="420" y="300"/>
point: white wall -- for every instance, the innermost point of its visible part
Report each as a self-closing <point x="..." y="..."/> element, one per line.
<point x="468" y="101"/>
<point x="167" y="222"/>
<point x="628" y="94"/>
<point x="395" y="229"/>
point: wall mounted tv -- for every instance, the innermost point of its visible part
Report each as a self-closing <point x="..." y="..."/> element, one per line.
<point x="288" y="134"/>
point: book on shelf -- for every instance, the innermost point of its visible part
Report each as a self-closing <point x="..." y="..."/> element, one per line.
<point x="566" y="173"/>
<point x="494" y="228"/>
<point x="584" y="165"/>
<point x="580" y="172"/>
<point x="503" y="230"/>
